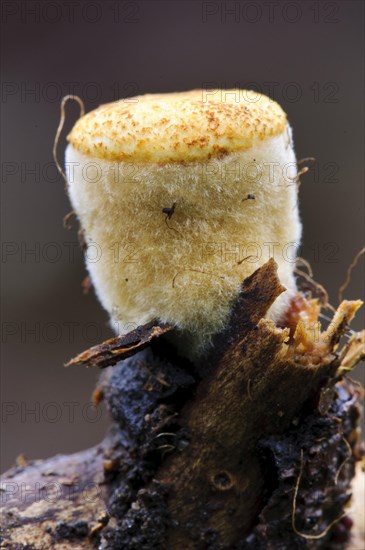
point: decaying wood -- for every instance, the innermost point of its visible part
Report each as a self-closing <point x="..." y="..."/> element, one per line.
<point x="256" y="389"/>
<point x="353" y="352"/>
<point x="115" y="349"/>
<point x="208" y="456"/>
<point x="54" y="503"/>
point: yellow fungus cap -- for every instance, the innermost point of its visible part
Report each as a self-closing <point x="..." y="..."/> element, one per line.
<point x="177" y="127"/>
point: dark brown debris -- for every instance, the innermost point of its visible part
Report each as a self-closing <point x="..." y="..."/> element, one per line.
<point x="114" y="350"/>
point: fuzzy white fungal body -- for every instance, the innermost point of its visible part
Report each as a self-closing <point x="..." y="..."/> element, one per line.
<point x="181" y="199"/>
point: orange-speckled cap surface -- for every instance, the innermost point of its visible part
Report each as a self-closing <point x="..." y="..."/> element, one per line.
<point x="177" y="127"/>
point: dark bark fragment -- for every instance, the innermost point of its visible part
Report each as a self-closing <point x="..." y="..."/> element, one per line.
<point x="329" y="446"/>
<point x="114" y="350"/>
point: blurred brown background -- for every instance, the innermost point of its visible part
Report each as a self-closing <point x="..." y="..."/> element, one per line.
<point x="306" y="55"/>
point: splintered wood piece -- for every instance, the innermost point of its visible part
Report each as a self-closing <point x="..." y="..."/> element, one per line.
<point x="54" y="503"/>
<point x="353" y="352"/>
<point x="258" y="386"/>
<point x="116" y="349"/>
<point x="257" y="294"/>
<point x="343" y="316"/>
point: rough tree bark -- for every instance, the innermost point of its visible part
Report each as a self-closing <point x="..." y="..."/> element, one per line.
<point x="253" y="448"/>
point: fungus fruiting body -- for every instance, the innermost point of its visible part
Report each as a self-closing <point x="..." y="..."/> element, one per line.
<point x="181" y="197"/>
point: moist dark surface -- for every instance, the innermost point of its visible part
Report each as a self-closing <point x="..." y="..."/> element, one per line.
<point x="144" y="395"/>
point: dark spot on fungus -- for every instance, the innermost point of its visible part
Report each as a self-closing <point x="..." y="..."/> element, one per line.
<point x="169" y="211"/>
<point x="250" y="196"/>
